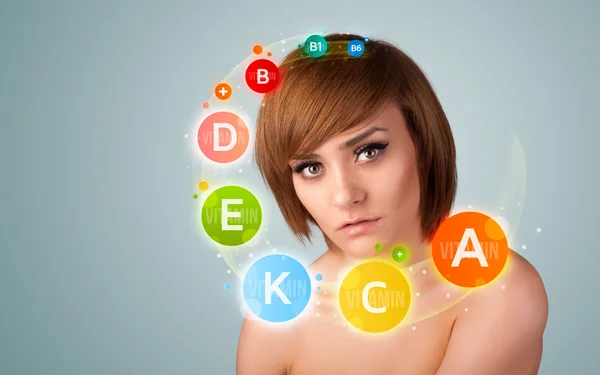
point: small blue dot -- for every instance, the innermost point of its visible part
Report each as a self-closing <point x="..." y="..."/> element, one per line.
<point x="366" y="39"/>
<point x="227" y="286"/>
<point x="319" y="277"/>
<point x="318" y="288"/>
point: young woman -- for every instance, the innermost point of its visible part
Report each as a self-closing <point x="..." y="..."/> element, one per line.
<point x="361" y="148"/>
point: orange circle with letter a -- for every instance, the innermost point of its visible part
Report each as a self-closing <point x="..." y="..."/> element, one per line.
<point x="469" y="249"/>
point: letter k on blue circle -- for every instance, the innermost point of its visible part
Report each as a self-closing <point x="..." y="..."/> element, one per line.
<point x="277" y="288"/>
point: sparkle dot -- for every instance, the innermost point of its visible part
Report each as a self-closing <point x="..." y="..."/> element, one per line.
<point x="324" y="292"/>
<point x="518" y="203"/>
<point x="228" y="271"/>
<point x="205" y="105"/>
<point x="424" y="272"/>
<point x="502" y="208"/>
<point x="203" y="185"/>
<point x="524" y="247"/>
<point x="447" y="295"/>
<point x="410" y="269"/>
<point x="503" y="286"/>
<point x="283" y="50"/>
<point x="318" y="302"/>
<point x="186" y="136"/>
<point x="466" y="309"/>
<point x="251" y="255"/>
<point x="239" y="87"/>
<point x="538" y="230"/>
<point x="218" y="255"/>
<point x="470" y="206"/>
<point x="318" y="314"/>
<point x="414" y="328"/>
<point x="418" y="294"/>
<point x="334" y="315"/>
<point x="240" y="170"/>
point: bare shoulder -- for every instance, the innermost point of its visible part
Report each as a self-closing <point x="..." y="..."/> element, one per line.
<point x="264" y="348"/>
<point x="499" y="328"/>
<point x="519" y="288"/>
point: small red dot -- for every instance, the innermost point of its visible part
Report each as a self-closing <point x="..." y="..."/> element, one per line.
<point x="205" y="105"/>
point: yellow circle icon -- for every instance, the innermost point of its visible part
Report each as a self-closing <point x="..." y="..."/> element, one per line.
<point x="374" y="296"/>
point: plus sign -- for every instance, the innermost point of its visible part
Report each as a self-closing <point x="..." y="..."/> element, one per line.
<point x="223" y="91"/>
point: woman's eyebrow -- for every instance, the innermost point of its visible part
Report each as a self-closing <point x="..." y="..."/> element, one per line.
<point x="362" y="136"/>
<point x="349" y="143"/>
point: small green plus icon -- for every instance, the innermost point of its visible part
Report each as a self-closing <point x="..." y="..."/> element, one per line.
<point x="399" y="254"/>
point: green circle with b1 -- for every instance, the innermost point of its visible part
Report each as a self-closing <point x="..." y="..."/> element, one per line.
<point x="315" y="46"/>
<point x="231" y="215"/>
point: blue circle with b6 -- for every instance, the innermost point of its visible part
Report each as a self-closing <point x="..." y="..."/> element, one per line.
<point x="356" y="48"/>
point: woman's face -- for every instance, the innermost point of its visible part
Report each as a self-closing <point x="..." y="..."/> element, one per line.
<point x="368" y="173"/>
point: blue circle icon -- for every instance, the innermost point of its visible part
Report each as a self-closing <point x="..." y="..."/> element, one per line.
<point x="277" y="288"/>
<point x="356" y="48"/>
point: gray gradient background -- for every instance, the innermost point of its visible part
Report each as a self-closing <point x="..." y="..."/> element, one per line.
<point x="102" y="270"/>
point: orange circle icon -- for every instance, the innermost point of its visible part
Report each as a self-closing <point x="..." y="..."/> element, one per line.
<point x="223" y="137"/>
<point x="469" y="249"/>
<point x="223" y="91"/>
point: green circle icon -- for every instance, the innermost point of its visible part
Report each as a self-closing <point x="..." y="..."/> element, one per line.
<point x="399" y="254"/>
<point x="315" y="46"/>
<point x="231" y="215"/>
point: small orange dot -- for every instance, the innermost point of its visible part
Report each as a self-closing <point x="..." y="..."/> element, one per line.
<point x="203" y="186"/>
<point x="269" y="54"/>
<point x="257" y="49"/>
<point x="205" y="105"/>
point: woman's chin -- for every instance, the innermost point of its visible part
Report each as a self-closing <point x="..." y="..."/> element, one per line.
<point x="360" y="249"/>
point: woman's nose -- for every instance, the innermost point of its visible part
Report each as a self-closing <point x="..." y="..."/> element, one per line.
<point x="347" y="191"/>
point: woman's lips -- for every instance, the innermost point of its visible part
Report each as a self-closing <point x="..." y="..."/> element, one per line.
<point x="360" y="227"/>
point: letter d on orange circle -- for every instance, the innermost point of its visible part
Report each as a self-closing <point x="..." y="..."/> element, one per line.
<point x="223" y="137"/>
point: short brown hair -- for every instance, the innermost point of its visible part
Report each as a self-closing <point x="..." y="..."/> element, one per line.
<point x="318" y="98"/>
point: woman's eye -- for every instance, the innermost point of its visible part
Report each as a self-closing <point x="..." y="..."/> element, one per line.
<point x="369" y="153"/>
<point x="312" y="170"/>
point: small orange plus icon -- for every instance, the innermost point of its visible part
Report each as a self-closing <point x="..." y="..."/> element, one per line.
<point x="223" y="91"/>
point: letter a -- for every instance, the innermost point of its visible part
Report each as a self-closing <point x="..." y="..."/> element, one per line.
<point x="462" y="253"/>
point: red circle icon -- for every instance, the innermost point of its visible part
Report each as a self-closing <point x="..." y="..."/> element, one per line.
<point x="262" y="76"/>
